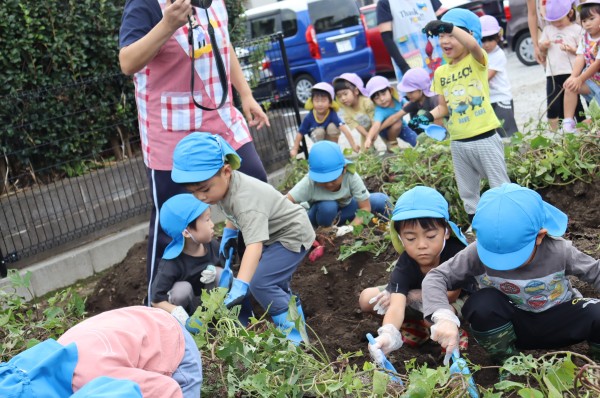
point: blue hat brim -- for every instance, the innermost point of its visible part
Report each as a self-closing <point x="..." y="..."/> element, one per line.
<point x="190" y="177"/>
<point x="556" y="221"/>
<point x="175" y="248"/>
<point x="407" y="215"/>
<point x="328" y="176"/>
<point x="458" y="233"/>
<point x="505" y="261"/>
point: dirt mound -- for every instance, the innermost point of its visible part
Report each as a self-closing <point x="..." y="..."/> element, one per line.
<point x="329" y="288"/>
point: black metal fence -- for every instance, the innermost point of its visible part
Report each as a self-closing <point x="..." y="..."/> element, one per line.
<point x="44" y="204"/>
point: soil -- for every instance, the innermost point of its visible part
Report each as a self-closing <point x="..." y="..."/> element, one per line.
<point x="329" y="289"/>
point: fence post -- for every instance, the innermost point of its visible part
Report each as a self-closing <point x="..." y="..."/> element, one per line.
<point x="290" y="79"/>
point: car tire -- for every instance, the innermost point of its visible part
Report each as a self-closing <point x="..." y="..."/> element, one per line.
<point x="302" y="86"/>
<point x="524" y="49"/>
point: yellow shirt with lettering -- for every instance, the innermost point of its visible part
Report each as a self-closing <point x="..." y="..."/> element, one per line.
<point x="465" y="88"/>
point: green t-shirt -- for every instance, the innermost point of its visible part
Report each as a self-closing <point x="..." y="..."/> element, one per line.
<point x="306" y="190"/>
<point x="264" y="215"/>
<point x="465" y="88"/>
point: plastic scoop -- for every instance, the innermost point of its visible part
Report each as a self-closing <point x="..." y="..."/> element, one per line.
<point x="459" y="365"/>
<point x="387" y="365"/>
<point x="227" y="275"/>
<point x="434" y="131"/>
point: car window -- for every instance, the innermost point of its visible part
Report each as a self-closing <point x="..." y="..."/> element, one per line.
<point x="328" y="15"/>
<point x="370" y="18"/>
<point x="289" y="23"/>
<point x="263" y="25"/>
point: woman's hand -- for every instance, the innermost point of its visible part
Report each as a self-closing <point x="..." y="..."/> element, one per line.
<point x="253" y="113"/>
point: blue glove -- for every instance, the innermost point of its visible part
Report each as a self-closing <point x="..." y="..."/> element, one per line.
<point x="237" y="293"/>
<point x="192" y="324"/>
<point x="228" y="240"/>
<point x="434" y="28"/>
<point x="425" y="119"/>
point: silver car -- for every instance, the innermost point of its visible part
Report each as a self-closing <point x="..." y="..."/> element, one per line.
<point x="517" y="31"/>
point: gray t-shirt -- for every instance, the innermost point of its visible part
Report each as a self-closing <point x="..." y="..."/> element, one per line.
<point x="264" y="215"/>
<point x="535" y="287"/>
<point x="306" y="190"/>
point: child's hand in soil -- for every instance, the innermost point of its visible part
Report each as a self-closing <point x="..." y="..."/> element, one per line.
<point x="445" y="331"/>
<point x="389" y="339"/>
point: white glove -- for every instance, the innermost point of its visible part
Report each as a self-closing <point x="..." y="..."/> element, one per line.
<point x="389" y="339"/>
<point x="343" y="230"/>
<point x="414" y="299"/>
<point x="445" y="331"/>
<point x="209" y="274"/>
<point x="180" y="314"/>
<point x="383" y="302"/>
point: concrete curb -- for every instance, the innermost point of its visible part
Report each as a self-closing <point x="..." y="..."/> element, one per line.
<point x="87" y="260"/>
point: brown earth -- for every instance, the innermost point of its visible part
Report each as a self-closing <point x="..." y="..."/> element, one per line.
<point x="329" y="289"/>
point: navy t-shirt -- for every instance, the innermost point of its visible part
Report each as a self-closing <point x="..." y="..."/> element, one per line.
<point x="139" y="17"/>
<point x="384" y="13"/>
<point x="310" y="123"/>
<point x="183" y="268"/>
<point x="407" y="274"/>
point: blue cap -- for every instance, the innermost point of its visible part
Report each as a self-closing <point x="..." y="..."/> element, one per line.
<point x="424" y="202"/>
<point x="44" y="370"/>
<point x="175" y="215"/>
<point x="507" y="221"/>
<point x="199" y="156"/>
<point x="464" y="19"/>
<point x="326" y="161"/>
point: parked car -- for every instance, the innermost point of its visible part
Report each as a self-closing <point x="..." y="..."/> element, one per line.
<point x="383" y="62"/>
<point x="517" y="31"/>
<point x="322" y="38"/>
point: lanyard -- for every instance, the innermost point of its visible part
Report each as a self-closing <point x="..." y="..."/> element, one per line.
<point x="205" y="4"/>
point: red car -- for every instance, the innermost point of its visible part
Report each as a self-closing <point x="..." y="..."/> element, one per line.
<point x="383" y="62"/>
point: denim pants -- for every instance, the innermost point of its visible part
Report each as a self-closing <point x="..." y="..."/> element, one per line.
<point x="189" y="373"/>
<point x="323" y="213"/>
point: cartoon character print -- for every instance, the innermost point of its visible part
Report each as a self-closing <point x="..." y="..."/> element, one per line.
<point x="475" y="93"/>
<point x="460" y="100"/>
<point x="485" y="281"/>
<point x="509" y="288"/>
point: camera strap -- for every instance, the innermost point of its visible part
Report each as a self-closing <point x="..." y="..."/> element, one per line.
<point x="218" y="60"/>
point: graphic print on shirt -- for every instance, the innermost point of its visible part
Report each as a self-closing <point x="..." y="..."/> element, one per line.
<point x="464" y="95"/>
<point x="535" y="295"/>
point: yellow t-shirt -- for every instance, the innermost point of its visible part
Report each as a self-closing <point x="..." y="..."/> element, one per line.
<point x="465" y="87"/>
<point x="363" y="116"/>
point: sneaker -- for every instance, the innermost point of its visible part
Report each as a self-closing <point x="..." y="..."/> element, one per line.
<point x="414" y="332"/>
<point x="568" y="126"/>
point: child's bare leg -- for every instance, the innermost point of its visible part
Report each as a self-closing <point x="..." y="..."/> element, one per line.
<point x="553" y="124"/>
<point x="570" y="103"/>
<point x="393" y="133"/>
<point x="332" y="133"/>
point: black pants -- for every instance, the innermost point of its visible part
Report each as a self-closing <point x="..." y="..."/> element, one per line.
<point x="556" y="98"/>
<point x="162" y="188"/>
<point x="562" y="325"/>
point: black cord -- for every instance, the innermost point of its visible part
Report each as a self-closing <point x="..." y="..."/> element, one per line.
<point x="218" y="61"/>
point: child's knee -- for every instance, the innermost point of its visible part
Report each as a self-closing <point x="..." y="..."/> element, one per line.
<point x="365" y="296"/>
<point x="333" y="132"/>
<point x="181" y="293"/>
<point x="318" y="134"/>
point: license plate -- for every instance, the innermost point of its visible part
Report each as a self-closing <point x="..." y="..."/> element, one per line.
<point x="344" y="46"/>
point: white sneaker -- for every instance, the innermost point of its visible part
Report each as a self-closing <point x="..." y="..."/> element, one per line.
<point x="568" y="126"/>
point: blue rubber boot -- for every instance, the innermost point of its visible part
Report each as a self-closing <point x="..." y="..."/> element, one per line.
<point x="288" y="327"/>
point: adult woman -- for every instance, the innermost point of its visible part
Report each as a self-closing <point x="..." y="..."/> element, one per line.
<point x="155" y="48"/>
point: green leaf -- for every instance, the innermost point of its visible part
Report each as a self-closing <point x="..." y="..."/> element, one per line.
<point x="530" y="393"/>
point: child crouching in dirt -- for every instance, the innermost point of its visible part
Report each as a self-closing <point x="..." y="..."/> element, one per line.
<point x="334" y="191"/>
<point x="124" y="353"/>
<point x="422" y="232"/>
<point x="277" y="233"/>
<point x="521" y="263"/>
<point x="190" y="262"/>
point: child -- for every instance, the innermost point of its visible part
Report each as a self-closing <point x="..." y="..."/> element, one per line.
<point x="387" y="103"/>
<point x="358" y="109"/>
<point x="416" y="84"/>
<point x="128" y="352"/>
<point x="422" y="225"/>
<point x="190" y="262"/>
<point x="585" y="78"/>
<point x="500" y="95"/>
<point x="322" y="122"/>
<point x="462" y="85"/>
<point x="521" y="263"/>
<point x="277" y="232"/>
<point x="558" y="44"/>
<point x="333" y="189"/>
